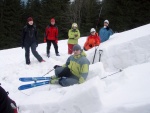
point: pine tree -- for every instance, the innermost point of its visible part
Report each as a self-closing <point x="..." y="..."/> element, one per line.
<point x="10" y="21"/>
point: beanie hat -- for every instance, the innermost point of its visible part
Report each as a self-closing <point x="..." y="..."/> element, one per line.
<point x="106" y="21"/>
<point x="52" y="20"/>
<point x="76" y="47"/>
<point x="74" y="25"/>
<point x="29" y="19"/>
<point x="92" y="30"/>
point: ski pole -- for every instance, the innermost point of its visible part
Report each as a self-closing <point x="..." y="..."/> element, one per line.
<point x="112" y="74"/>
<point x="95" y="54"/>
<point x="48" y="72"/>
<point x="100" y="53"/>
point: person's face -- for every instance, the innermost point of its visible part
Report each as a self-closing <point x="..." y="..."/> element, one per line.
<point x="30" y="22"/>
<point x="105" y="24"/>
<point x="76" y="52"/>
<point x="93" y="33"/>
<point x="53" y="22"/>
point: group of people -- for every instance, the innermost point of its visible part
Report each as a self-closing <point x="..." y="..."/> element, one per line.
<point x="76" y="68"/>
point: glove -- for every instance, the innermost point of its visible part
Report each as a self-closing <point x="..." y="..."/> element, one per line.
<point x="44" y="40"/>
<point x="90" y="45"/>
<point x="76" y="35"/>
<point x="22" y="47"/>
<point x="81" y="80"/>
<point x="36" y="45"/>
<point x="56" y="66"/>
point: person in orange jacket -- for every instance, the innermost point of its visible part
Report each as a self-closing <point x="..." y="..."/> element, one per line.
<point x="92" y="40"/>
<point x="51" y="36"/>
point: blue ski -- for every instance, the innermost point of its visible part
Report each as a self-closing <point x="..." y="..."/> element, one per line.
<point x="36" y="84"/>
<point x="27" y="79"/>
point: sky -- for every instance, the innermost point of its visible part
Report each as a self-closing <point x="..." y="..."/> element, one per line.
<point x="124" y="92"/>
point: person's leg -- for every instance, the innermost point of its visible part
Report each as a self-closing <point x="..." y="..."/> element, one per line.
<point x="27" y="54"/>
<point x="59" y="73"/>
<point x="55" y="47"/>
<point x="70" y="48"/>
<point x="35" y="53"/>
<point x="68" y="81"/>
<point x="48" y="48"/>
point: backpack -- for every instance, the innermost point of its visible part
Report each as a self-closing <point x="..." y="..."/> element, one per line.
<point x="8" y="101"/>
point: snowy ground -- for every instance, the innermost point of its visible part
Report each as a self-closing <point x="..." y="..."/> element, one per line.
<point x="124" y="92"/>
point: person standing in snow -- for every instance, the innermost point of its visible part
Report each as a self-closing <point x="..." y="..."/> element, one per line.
<point x="73" y="36"/>
<point x="74" y="71"/>
<point x="51" y="36"/>
<point x="105" y="32"/>
<point x="30" y="40"/>
<point x="92" y="40"/>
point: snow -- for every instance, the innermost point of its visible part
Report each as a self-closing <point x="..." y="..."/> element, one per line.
<point x="124" y="92"/>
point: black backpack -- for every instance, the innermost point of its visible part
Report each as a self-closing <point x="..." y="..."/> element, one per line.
<point x="7" y="105"/>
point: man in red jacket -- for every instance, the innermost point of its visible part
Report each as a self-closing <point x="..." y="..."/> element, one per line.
<point x="51" y="36"/>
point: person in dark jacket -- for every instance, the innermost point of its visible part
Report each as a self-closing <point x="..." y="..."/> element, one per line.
<point x="5" y="106"/>
<point x="30" y="40"/>
<point x="51" y="36"/>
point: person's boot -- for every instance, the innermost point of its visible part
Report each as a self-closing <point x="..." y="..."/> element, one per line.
<point x="54" y="80"/>
<point x="57" y="54"/>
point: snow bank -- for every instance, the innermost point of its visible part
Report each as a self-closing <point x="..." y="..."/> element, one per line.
<point x="126" y="49"/>
<point x="74" y="99"/>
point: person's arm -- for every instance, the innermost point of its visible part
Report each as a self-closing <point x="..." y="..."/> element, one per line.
<point x="84" y="73"/>
<point x="56" y="40"/>
<point x="77" y="36"/>
<point x="36" y="35"/>
<point x="46" y="34"/>
<point x="71" y="34"/>
<point x="23" y="37"/>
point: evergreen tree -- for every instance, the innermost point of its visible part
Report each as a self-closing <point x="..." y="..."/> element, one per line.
<point x="10" y="23"/>
<point x="126" y="14"/>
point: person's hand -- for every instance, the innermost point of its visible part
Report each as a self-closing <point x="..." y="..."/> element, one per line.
<point x="44" y="40"/>
<point x="90" y="45"/>
<point x="56" y="66"/>
<point x="76" y="35"/>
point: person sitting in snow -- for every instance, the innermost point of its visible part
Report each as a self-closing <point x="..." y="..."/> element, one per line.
<point x="73" y="36"/>
<point x="74" y="71"/>
<point x="30" y="40"/>
<point x="92" y="40"/>
<point x="105" y="32"/>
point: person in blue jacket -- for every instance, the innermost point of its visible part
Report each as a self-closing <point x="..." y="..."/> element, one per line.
<point x="105" y="32"/>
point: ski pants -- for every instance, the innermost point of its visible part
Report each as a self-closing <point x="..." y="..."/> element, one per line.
<point x="49" y="46"/>
<point x="34" y="52"/>
<point x="70" y="48"/>
<point x="66" y="77"/>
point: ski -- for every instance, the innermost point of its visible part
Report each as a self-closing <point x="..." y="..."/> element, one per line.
<point x="28" y="79"/>
<point x="36" y="84"/>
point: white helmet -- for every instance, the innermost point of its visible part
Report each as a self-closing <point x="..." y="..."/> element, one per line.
<point x="106" y="21"/>
<point x="92" y="30"/>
